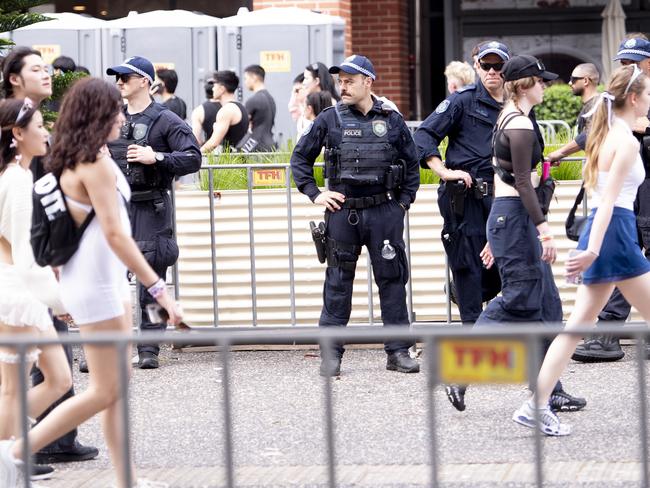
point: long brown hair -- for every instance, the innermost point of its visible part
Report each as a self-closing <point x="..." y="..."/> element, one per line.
<point x="599" y="128"/>
<point x="9" y="112"/>
<point x="85" y="121"/>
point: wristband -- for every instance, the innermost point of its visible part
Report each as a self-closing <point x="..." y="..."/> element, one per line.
<point x="544" y="238"/>
<point x="157" y="289"/>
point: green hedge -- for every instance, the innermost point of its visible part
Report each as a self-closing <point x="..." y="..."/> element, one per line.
<point x="559" y="104"/>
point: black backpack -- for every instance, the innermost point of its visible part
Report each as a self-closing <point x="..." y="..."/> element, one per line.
<point x="54" y="234"/>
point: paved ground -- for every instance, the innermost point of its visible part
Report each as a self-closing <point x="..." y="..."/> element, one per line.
<point x="382" y="437"/>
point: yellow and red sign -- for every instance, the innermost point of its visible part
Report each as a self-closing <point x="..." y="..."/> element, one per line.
<point x="269" y="177"/>
<point x="49" y="52"/>
<point x="275" y="61"/>
<point x="482" y="361"/>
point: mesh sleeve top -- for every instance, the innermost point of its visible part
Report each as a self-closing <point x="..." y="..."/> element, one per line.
<point x="518" y="151"/>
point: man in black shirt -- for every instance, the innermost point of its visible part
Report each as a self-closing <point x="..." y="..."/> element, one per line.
<point x="169" y="81"/>
<point x="261" y="110"/>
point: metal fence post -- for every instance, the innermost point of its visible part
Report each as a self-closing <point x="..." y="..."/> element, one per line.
<point x="533" y="366"/>
<point x="432" y="381"/>
<point x="227" y="413"/>
<point x="24" y="415"/>
<point x="327" y="352"/>
<point x="643" y="408"/>
<point x="175" y="236"/>
<point x="409" y="284"/>
<point x="447" y="289"/>
<point x="213" y="250"/>
<point x="251" y="239"/>
<point x="292" y="282"/>
<point x="123" y="360"/>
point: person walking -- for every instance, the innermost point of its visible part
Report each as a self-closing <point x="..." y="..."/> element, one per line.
<point x="26" y="76"/>
<point x="93" y="283"/>
<point x="373" y="176"/>
<point x="610" y="255"/>
<point x="261" y="110"/>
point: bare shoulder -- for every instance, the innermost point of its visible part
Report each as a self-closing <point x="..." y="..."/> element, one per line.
<point x="520" y="122"/>
<point x="99" y="171"/>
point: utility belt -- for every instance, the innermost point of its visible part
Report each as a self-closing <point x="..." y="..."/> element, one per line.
<point x="458" y="192"/>
<point x="360" y="203"/>
<point x="147" y="195"/>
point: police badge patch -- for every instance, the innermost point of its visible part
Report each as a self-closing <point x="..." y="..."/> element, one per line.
<point x="442" y="106"/>
<point x="379" y="128"/>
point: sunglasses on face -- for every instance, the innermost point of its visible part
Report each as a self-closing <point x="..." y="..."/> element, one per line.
<point x="489" y="66"/>
<point x="125" y="77"/>
<point x="574" y="79"/>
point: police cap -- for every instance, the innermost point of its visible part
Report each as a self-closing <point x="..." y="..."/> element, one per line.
<point x="355" y="65"/>
<point x="633" y="50"/>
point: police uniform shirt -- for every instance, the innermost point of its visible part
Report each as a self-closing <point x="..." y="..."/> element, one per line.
<point x="467" y="117"/>
<point x="325" y="130"/>
<point x="173" y="137"/>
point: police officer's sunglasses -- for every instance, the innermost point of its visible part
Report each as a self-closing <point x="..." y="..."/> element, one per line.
<point x="489" y="66"/>
<point x="125" y="77"/>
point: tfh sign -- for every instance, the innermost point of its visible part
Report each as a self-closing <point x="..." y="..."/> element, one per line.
<point x="269" y="177"/>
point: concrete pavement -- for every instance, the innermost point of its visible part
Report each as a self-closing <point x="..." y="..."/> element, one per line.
<point x="381" y="427"/>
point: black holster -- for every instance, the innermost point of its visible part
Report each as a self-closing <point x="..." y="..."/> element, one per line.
<point x="333" y="258"/>
<point x="318" y="235"/>
<point x="457" y="193"/>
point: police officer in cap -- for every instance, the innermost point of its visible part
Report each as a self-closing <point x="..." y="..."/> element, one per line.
<point x="154" y="147"/>
<point x="373" y="175"/>
<point x="467" y="117"/>
<point x="603" y="347"/>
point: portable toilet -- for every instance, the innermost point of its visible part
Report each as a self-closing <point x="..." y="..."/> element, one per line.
<point x="74" y="35"/>
<point x="283" y="41"/>
<point x="175" y="39"/>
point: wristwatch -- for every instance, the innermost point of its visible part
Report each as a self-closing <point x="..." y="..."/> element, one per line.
<point x="159" y="157"/>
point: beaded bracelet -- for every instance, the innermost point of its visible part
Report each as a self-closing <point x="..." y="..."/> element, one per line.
<point x="157" y="289"/>
<point x="543" y="238"/>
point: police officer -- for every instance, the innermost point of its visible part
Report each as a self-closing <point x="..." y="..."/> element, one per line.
<point x="155" y="146"/>
<point x="603" y="347"/>
<point x="467" y="117"/>
<point x="373" y="175"/>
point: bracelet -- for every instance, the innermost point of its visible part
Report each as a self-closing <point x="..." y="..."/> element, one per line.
<point x="544" y="238"/>
<point x="157" y="289"/>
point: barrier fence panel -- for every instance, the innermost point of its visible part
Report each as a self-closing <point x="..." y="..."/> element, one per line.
<point x="480" y="355"/>
<point x="257" y="208"/>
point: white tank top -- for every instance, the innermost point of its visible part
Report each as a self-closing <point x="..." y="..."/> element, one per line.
<point x="631" y="184"/>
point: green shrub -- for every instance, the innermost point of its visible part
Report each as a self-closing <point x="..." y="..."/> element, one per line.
<point x="559" y="104"/>
<point x="60" y="85"/>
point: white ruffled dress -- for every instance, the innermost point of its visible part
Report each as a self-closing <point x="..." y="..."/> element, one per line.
<point x="26" y="289"/>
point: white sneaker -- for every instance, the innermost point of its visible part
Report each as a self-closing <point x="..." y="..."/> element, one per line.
<point x="549" y="423"/>
<point x="10" y="475"/>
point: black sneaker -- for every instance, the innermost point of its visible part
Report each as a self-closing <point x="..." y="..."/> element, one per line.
<point x="77" y="453"/>
<point x="456" y="395"/>
<point x="148" y="360"/>
<point x="41" y="472"/>
<point x="599" y="349"/>
<point x="83" y="366"/>
<point x="561" y="401"/>
<point x="401" y="361"/>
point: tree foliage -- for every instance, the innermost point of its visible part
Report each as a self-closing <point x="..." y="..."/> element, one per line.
<point x="15" y="14"/>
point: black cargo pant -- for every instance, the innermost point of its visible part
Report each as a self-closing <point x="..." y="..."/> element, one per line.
<point x="528" y="290"/>
<point x="367" y="227"/>
<point x="66" y="442"/>
<point x="463" y="254"/>
<point x="151" y="225"/>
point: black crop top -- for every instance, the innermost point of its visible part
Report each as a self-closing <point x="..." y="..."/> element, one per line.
<point x="517" y="151"/>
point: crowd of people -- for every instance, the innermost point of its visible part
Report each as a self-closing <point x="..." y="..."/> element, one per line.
<point x="115" y="164"/>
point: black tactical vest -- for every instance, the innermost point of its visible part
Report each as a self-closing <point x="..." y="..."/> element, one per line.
<point x="141" y="177"/>
<point x="364" y="156"/>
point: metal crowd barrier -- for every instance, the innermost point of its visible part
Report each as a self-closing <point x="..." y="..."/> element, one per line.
<point x="434" y="339"/>
<point x="250" y="168"/>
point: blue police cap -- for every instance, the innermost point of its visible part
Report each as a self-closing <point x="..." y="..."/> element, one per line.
<point x="633" y="50"/>
<point x="136" y="65"/>
<point x="355" y="65"/>
<point x="494" y="47"/>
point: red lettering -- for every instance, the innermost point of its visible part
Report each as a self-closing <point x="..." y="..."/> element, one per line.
<point x="500" y="358"/>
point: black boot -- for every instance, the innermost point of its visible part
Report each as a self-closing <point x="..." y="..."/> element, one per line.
<point x="330" y="366"/>
<point x="599" y="349"/>
<point x="456" y="395"/>
<point x="148" y="360"/>
<point x="402" y="362"/>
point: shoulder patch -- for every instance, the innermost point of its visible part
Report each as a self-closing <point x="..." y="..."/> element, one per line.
<point x="462" y="89"/>
<point x="444" y="105"/>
